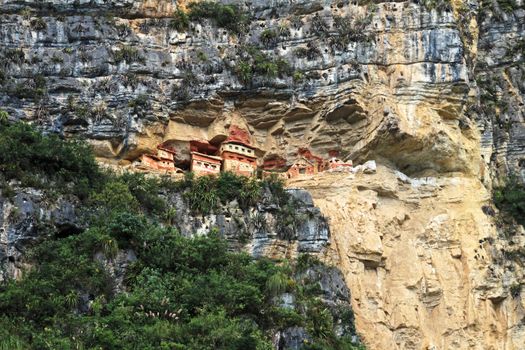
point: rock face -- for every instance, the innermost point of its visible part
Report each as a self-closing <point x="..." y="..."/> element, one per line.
<point x="420" y="256"/>
<point x="499" y="75"/>
<point x="25" y="218"/>
<point x="334" y="295"/>
<point x="262" y="230"/>
<point x="432" y="91"/>
<point x="335" y="76"/>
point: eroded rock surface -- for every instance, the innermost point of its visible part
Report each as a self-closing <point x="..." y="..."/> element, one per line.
<point x="431" y="90"/>
<point x="366" y="77"/>
<point x="263" y="230"/>
<point x="418" y="256"/>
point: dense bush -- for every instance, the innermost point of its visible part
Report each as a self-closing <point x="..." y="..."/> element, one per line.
<point x="179" y="293"/>
<point x="230" y="16"/>
<point x="510" y="199"/>
<point x="269" y="37"/>
<point x="33" y="88"/>
<point x="45" y="160"/>
<point x="180" y="21"/>
<point x="128" y="54"/>
<point x="254" y="62"/>
<point x="206" y="193"/>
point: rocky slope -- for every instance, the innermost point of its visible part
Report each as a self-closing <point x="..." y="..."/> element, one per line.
<point x="432" y="90"/>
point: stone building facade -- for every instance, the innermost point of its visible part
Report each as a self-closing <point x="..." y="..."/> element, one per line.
<point x="205" y="164"/>
<point x="238" y="158"/>
<point x="163" y="161"/>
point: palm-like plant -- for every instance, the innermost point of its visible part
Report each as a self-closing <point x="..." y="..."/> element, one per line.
<point x="71" y="299"/>
<point x="109" y="247"/>
<point x="277" y="283"/>
<point x="12" y="343"/>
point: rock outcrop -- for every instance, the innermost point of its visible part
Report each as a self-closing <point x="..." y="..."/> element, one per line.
<point x="26" y="218"/>
<point x="419" y="255"/>
<point x="432" y="90"/>
<point x="340" y="76"/>
<point x="265" y="230"/>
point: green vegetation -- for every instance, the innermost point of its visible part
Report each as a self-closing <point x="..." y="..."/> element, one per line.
<point x="187" y="86"/>
<point x="205" y="193"/>
<point x="56" y="58"/>
<point x="14" y="56"/>
<point x="311" y="52"/>
<point x="180" y="293"/>
<point x="298" y="76"/>
<point x="256" y="63"/>
<point x="230" y="16"/>
<point x="269" y="37"/>
<point x="128" y="54"/>
<point x="139" y="102"/>
<point x="33" y="88"/>
<point x="26" y="12"/>
<point x="38" y="24"/>
<point x="515" y="290"/>
<point x="319" y="26"/>
<point x="499" y="8"/>
<point x="45" y="161"/>
<point x="510" y="199"/>
<point x="508" y="6"/>
<point x="201" y="55"/>
<point x="438" y="5"/>
<point x="180" y="21"/>
<point x="3" y="116"/>
<point x="349" y="30"/>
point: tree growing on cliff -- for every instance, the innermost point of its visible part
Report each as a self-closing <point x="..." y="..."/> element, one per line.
<point x="510" y="199"/>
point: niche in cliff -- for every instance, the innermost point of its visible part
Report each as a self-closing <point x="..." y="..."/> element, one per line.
<point x="350" y="111"/>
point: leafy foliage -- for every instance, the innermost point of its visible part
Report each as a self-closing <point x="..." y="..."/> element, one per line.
<point x="438" y="5"/>
<point x="128" y="54"/>
<point x="269" y="37"/>
<point x="230" y="16"/>
<point x="45" y="160"/>
<point x="510" y="199"/>
<point x="180" y="21"/>
<point x="205" y="193"/>
<point x="256" y="63"/>
<point x="180" y="293"/>
<point x="33" y="88"/>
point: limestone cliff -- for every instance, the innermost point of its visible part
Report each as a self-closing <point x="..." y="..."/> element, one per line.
<point x="419" y="255"/>
<point x="432" y="90"/>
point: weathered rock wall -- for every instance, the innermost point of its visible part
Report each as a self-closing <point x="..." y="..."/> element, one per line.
<point x="420" y="256"/>
<point x="28" y="216"/>
<point x="262" y="230"/>
<point x="360" y="78"/>
<point x="432" y="90"/>
<point x="500" y="73"/>
<point x="266" y="229"/>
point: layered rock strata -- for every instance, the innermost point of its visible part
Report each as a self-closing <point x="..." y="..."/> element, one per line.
<point x="432" y="90"/>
